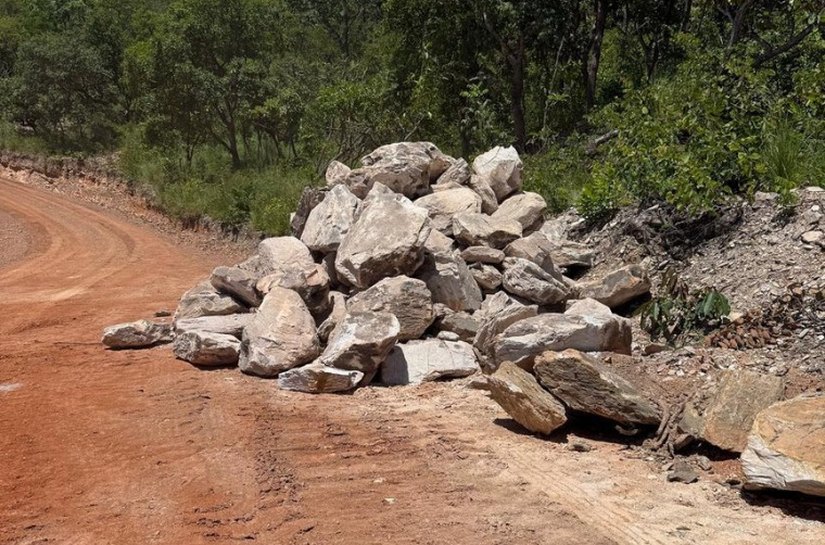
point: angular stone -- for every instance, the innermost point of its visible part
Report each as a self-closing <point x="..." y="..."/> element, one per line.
<point x="785" y="447"/>
<point x="281" y="254"/>
<point x="338" y="309"/>
<point x="230" y="324"/>
<point x="585" y="327"/>
<point x="458" y="173"/>
<point x="521" y="396"/>
<point x="464" y="325"/>
<point x="407" y="298"/>
<point x="481" y="230"/>
<point x="404" y="167"/>
<point x="330" y="221"/>
<point x="479" y="184"/>
<point x="537" y="249"/>
<point x="428" y="360"/>
<point x="361" y="342"/>
<point x="619" y="287"/>
<point x="439" y="242"/>
<point x="526" y="208"/>
<point x="386" y="240"/>
<point x="482" y="254"/>
<point x="585" y="384"/>
<point x="727" y="418"/>
<point x="502" y="168"/>
<point x="238" y="283"/>
<point x="140" y="334"/>
<point x="207" y="349"/>
<point x="526" y="279"/>
<point x="281" y="335"/>
<point x="498" y="312"/>
<point x="569" y="254"/>
<point x="450" y="281"/>
<point x="205" y="300"/>
<point x="310" y="198"/>
<point x="311" y="284"/>
<point x="487" y="277"/>
<point x="443" y="205"/>
<point x="336" y="173"/>
<point x="317" y="378"/>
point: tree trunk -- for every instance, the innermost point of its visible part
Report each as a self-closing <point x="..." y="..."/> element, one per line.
<point x="594" y="53"/>
<point x="517" y="62"/>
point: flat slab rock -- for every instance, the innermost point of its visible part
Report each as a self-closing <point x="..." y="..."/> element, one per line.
<point x="523" y="398"/>
<point x="140" y="334"/>
<point x="727" y="416"/>
<point x="619" y="287"/>
<point x="428" y="360"/>
<point x="205" y="300"/>
<point x="585" y="384"/>
<point x="317" y="378"/>
<point x="230" y="324"/>
<point x="785" y="448"/>
<point x="207" y="349"/>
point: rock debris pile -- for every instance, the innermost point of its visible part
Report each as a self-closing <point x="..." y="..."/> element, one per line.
<point x="417" y="267"/>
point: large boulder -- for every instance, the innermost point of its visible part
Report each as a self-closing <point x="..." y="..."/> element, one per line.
<point x="498" y="312"/>
<point x="502" y="168"/>
<point x="281" y="254"/>
<point x="585" y="384"/>
<point x="140" y="334"/>
<point x="619" y="287"/>
<point x="317" y="378"/>
<point x="487" y="277"/>
<point x="526" y="208"/>
<point x="473" y="229"/>
<point x="230" y="324"/>
<point x="311" y="283"/>
<point x="725" y="416"/>
<point x="569" y="254"/>
<point x="521" y="397"/>
<point x="387" y="239"/>
<point x="407" y="298"/>
<point x="329" y="222"/>
<point x="281" y="335"/>
<point x="443" y="205"/>
<point x="458" y="173"/>
<point x="785" y="448"/>
<point x="450" y="281"/>
<point x="205" y="300"/>
<point x="428" y="360"/>
<point x="207" y="349"/>
<point x="529" y="281"/>
<point x="237" y="282"/>
<point x="587" y="326"/>
<point x="361" y="342"/>
<point x="537" y="249"/>
<point x="405" y="167"/>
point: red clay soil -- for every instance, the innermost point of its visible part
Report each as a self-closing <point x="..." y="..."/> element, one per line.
<point x="134" y="447"/>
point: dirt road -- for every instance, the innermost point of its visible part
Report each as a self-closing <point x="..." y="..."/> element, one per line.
<point x="100" y="447"/>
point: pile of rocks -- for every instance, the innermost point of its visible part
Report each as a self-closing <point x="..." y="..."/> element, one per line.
<point x="414" y="267"/>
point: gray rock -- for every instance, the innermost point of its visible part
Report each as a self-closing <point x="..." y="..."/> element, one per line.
<point x="428" y="360"/>
<point x="310" y="198"/>
<point x="521" y="396"/>
<point x="281" y="336"/>
<point x="230" y="324"/>
<point x="439" y="242"/>
<point x="237" y="282"/>
<point x="526" y="279"/>
<point x="387" y="239"/>
<point x="316" y="378"/>
<point x="619" y="287"/>
<point x="481" y="186"/>
<point x="526" y="208"/>
<point x="205" y="300"/>
<point x="336" y="173"/>
<point x="330" y="221"/>
<point x="726" y="418"/>
<point x="474" y="229"/>
<point x="207" y="349"/>
<point x="405" y="167"/>
<point x="458" y="173"/>
<point x="498" y="312"/>
<point x="443" y="205"/>
<point x="502" y="168"/>
<point x="785" y="447"/>
<point x="450" y="281"/>
<point x="568" y="254"/>
<point x="482" y="254"/>
<point x="537" y="249"/>
<point x="587" y="326"/>
<point x="278" y="254"/>
<point x="311" y="284"/>
<point x="487" y="277"/>
<point x="585" y="384"/>
<point x="140" y="334"/>
<point x="407" y="298"/>
<point x="362" y="342"/>
<point x="338" y="309"/>
<point x="464" y="325"/>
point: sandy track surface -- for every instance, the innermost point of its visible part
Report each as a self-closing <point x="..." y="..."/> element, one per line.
<point x="101" y="447"/>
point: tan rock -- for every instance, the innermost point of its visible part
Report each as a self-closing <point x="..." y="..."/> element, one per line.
<point x="619" y="287"/>
<point x="521" y="396"/>
<point x="406" y="298"/>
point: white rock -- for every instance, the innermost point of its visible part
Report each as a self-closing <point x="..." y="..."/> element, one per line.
<point x="207" y="349"/>
<point x="205" y="300"/>
<point x="526" y="208"/>
<point x="475" y="229"/>
<point x="331" y="220"/>
<point x="450" y="281"/>
<point x="316" y="378"/>
<point x="361" y="342"/>
<point x="428" y="360"/>
<point x="526" y="279"/>
<point x="140" y="334"/>
<point x="502" y="168"/>
<point x="230" y="324"/>
<point x="408" y="299"/>
<point x="442" y="206"/>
